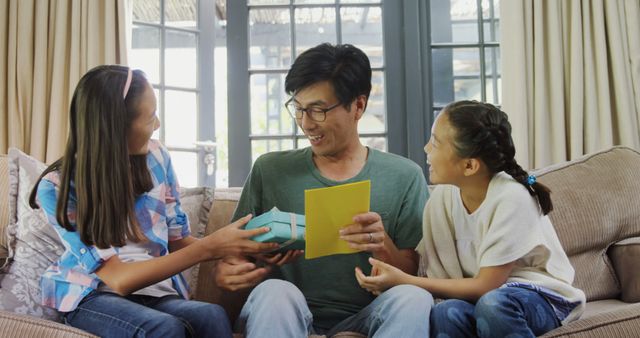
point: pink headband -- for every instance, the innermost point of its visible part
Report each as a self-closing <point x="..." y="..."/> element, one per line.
<point x="127" y="84"/>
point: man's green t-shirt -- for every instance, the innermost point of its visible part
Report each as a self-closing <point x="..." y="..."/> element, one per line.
<point x="398" y="194"/>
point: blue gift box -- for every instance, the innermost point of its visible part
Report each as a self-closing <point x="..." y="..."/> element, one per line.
<point x="281" y="231"/>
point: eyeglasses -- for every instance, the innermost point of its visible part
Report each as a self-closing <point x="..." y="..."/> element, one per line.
<point x="314" y="113"/>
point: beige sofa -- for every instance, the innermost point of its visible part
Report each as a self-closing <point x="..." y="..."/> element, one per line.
<point x="597" y="217"/>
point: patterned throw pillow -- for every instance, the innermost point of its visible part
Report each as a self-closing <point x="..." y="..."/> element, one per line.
<point x="33" y="244"/>
<point x="8" y="195"/>
<point x="195" y="202"/>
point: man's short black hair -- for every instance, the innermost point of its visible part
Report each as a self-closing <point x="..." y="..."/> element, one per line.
<point x="345" y="66"/>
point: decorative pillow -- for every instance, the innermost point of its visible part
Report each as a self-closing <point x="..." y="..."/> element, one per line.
<point x="625" y="256"/>
<point x="7" y="200"/>
<point x="33" y="244"/>
<point x="191" y="200"/>
<point x="196" y="202"/>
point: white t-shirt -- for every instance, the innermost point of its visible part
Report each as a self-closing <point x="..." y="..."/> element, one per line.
<point x="138" y="252"/>
<point x="508" y="226"/>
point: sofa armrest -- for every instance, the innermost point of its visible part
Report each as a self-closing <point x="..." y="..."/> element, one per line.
<point x="16" y="325"/>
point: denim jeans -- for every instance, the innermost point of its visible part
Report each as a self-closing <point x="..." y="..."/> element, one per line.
<point x="107" y="314"/>
<point x="509" y="311"/>
<point x="277" y="308"/>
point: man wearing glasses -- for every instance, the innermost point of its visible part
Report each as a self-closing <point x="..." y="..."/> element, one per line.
<point x="329" y="87"/>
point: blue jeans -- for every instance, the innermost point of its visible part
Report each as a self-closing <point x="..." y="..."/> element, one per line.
<point x="510" y="311"/>
<point x="277" y="308"/>
<point x="107" y="314"/>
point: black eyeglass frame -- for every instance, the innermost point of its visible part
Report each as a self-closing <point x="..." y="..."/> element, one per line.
<point x="313" y="110"/>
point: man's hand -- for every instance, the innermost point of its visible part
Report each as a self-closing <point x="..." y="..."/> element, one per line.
<point x="235" y="273"/>
<point x="280" y="259"/>
<point x="366" y="234"/>
<point x="383" y="276"/>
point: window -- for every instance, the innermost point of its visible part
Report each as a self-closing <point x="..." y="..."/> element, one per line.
<point x="172" y="43"/>
<point x="465" y="54"/>
<point x="277" y="32"/>
<point x="424" y="55"/>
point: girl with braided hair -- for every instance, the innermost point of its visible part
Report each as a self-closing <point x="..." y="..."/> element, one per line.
<point x="490" y="249"/>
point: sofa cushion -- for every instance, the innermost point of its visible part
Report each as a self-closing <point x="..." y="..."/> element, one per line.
<point x="595" y="204"/>
<point x="625" y="256"/>
<point x="34" y="245"/>
<point x="624" y="321"/>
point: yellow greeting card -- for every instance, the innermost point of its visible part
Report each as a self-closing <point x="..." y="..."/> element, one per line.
<point x="327" y="210"/>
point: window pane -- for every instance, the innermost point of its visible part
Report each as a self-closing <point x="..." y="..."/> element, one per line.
<point x="492" y="31"/>
<point x="490" y="9"/>
<point x="146" y="10"/>
<point x="185" y="164"/>
<point x="314" y="1"/>
<point x="494" y="90"/>
<point x="181" y="13"/>
<point x="465" y="31"/>
<point x="467" y="89"/>
<point x="221" y="116"/>
<point x="466" y="61"/>
<point x="466" y="74"/>
<point x="260" y="147"/>
<point x="145" y="51"/>
<point x="359" y="1"/>
<point x="492" y="70"/>
<point x="267" y="2"/>
<point x="362" y="27"/>
<point x="269" y="38"/>
<point x="314" y="26"/>
<point x="181" y="59"/>
<point x="463" y="10"/>
<point x="180" y="120"/>
<point x="373" y="120"/>
<point x="456" y="74"/>
<point x="268" y="114"/>
<point x="454" y="21"/>
<point x="379" y="143"/>
<point x="490" y="18"/>
<point x="442" y="68"/>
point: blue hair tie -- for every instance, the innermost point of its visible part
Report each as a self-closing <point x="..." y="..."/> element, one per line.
<point x="531" y="179"/>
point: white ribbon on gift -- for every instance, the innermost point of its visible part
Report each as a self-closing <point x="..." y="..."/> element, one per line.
<point x="294" y="230"/>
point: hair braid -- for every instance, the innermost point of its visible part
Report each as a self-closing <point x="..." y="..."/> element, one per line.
<point x="538" y="190"/>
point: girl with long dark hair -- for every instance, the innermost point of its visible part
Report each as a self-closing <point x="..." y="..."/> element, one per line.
<point x="113" y="199"/>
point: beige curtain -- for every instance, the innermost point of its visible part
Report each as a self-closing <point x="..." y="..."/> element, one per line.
<point x="571" y="76"/>
<point x="45" y="47"/>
